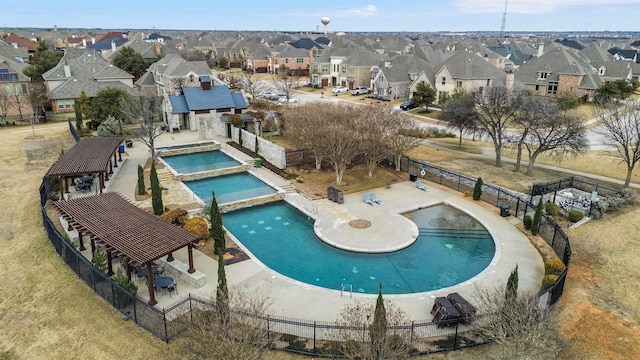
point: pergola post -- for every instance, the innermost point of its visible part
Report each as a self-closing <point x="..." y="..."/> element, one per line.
<point x="101" y="176"/>
<point x="128" y="266"/>
<point x="115" y="159"/>
<point x="93" y="249"/>
<point x="190" y="251"/>
<point x="111" y="166"/>
<point x="119" y="156"/>
<point x="170" y="257"/>
<point x="81" y="248"/>
<point x="109" y="265"/>
<point x="152" y="293"/>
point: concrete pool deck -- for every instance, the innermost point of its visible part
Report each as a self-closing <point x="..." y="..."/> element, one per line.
<point x="291" y="298"/>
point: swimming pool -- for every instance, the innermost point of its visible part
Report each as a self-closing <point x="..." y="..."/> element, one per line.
<point x="451" y="248"/>
<point x="230" y="188"/>
<point x="200" y="161"/>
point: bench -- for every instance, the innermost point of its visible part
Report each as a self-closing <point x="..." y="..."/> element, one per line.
<point x="181" y="270"/>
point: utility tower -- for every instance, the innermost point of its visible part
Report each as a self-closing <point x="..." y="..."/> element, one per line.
<point x="504" y="19"/>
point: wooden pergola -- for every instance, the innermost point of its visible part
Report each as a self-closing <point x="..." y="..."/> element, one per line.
<point x="125" y="231"/>
<point x="88" y="156"/>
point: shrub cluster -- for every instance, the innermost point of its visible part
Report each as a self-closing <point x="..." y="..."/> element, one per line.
<point x="575" y="216"/>
<point x="197" y="226"/>
<point x="527" y="221"/>
<point x="175" y="217"/>
<point x="552" y="209"/>
<point x="548" y="281"/>
<point x="554" y="266"/>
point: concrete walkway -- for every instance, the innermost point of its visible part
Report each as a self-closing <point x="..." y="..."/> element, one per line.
<point x="291" y="298"/>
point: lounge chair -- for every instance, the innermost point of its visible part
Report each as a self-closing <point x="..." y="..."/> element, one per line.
<point x="444" y="312"/>
<point x="367" y="198"/>
<point x="375" y="199"/>
<point x="421" y="186"/>
<point x="467" y="310"/>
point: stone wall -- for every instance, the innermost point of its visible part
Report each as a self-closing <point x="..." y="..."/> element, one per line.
<point x="273" y="153"/>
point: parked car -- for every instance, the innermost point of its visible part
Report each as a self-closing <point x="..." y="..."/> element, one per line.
<point x="359" y="90"/>
<point x="408" y="105"/>
<point x="339" y="89"/>
<point x="283" y="99"/>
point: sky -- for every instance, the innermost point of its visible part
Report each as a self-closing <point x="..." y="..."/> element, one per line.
<point x="344" y="15"/>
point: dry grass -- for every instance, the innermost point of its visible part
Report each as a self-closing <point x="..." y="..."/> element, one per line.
<point x="595" y="162"/>
<point x="47" y="312"/>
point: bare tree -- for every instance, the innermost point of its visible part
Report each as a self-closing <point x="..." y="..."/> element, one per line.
<point x="304" y="126"/>
<point x="285" y="83"/>
<point x="529" y="114"/>
<point x="521" y="328"/>
<point x="37" y="99"/>
<point x="460" y="114"/>
<point x="18" y="98"/>
<point x="559" y="133"/>
<point x="620" y="129"/>
<point x="177" y="84"/>
<point x="242" y="336"/>
<point x="362" y="339"/>
<point x="399" y="141"/>
<point x="251" y="85"/>
<point x="145" y="111"/>
<point x="496" y="107"/>
<point x="5" y="105"/>
<point x="375" y="127"/>
<point x="340" y="138"/>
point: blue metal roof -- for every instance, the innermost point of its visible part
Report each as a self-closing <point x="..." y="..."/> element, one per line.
<point x="179" y="104"/>
<point x="238" y="99"/>
<point x="219" y="97"/>
<point x="106" y="44"/>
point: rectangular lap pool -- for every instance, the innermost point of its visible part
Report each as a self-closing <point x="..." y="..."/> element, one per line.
<point x="230" y="188"/>
<point x="200" y="161"/>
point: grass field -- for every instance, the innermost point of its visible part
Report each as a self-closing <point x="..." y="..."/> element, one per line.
<point x="47" y="312"/>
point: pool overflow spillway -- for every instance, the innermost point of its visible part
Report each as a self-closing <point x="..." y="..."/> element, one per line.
<point x="451" y="248"/>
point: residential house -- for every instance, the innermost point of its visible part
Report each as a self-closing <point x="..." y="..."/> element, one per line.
<point x="556" y="71"/>
<point x="466" y="71"/>
<point x="14" y="85"/>
<point x="17" y="41"/>
<point x="82" y="70"/>
<point x="392" y="77"/>
<point x="199" y="107"/>
<point x="296" y="60"/>
<point x="625" y="54"/>
<point x="258" y="60"/>
<point x="173" y="73"/>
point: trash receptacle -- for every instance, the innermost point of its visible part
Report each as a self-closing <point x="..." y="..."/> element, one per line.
<point x="257" y="162"/>
<point x="413" y="177"/>
<point x="121" y="148"/>
<point x="504" y="210"/>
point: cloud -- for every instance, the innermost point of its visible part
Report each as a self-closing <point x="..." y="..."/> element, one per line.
<point x="367" y="11"/>
<point x="530" y="6"/>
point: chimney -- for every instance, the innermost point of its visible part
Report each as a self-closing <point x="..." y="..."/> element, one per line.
<point x="84" y="43"/>
<point x="158" y="50"/>
<point x="206" y="85"/>
<point x="67" y="69"/>
<point x="510" y="80"/>
<point x="540" y="49"/>
<point x="113" y="46"/>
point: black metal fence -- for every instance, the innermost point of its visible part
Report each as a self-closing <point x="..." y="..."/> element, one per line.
<point x="317" y="338"/>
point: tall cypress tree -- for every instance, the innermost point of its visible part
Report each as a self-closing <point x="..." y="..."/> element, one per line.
<point x="535" y="224"/>
<point x="222" y="293"/>
<point x="477" y="190"/>
<point x="217" y="232"/>
<point x="512" y="285"/>
<point x="378" y="329"/>
<point x="141" y="187"/>
<point x="156" y="192"/>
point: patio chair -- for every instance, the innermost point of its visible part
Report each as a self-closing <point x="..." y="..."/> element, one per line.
<point x="421" y="186"/>
<point x="367" y="198"/>
<point x="375" y="199"/>
<point x="467" y="310"/>
<point x="171" y="288"/>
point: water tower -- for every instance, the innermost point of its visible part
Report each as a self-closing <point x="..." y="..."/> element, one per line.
<point x="325" y="21"/>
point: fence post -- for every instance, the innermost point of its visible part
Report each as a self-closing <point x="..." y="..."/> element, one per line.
<point x="411" y="337"/>
<point x="555" y="231"/>
<point x="517" y="207"/>
<point x="164" y="317"/>
<point x="268" y="329"/>
<point x="314" y="337"/>
<point x="455" y="337"/>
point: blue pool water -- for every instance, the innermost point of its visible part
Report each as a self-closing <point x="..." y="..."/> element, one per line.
<point x="200" y="161"/>
<point x="451" y="247"/>
<point x="229" y="188"/>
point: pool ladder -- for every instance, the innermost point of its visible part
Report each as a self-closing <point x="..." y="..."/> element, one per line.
<point x="350" y="290"/>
